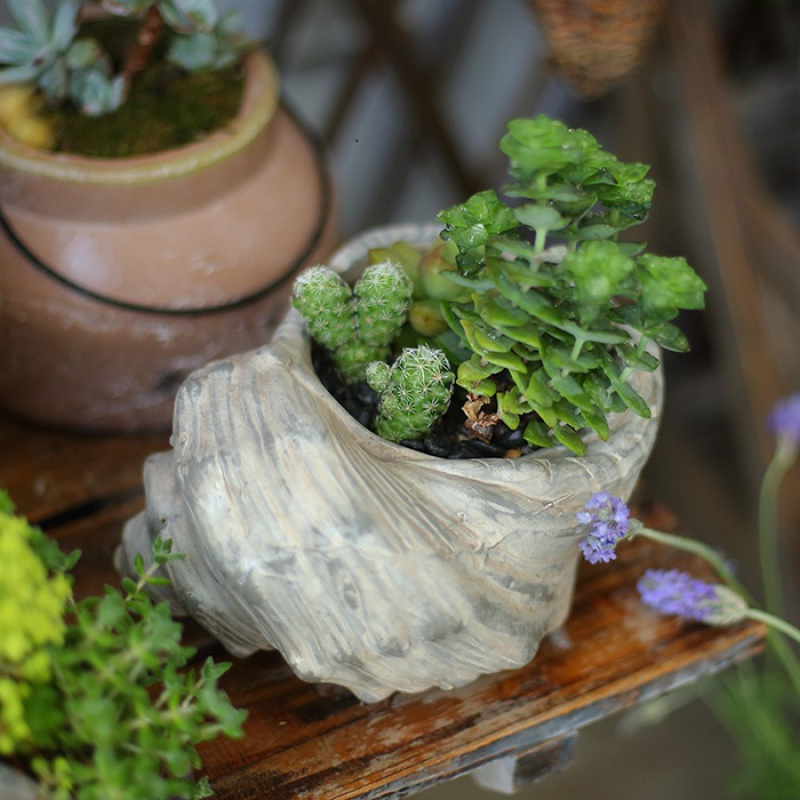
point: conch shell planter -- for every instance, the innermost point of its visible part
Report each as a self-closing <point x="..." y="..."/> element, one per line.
<point x="366" y="564"/>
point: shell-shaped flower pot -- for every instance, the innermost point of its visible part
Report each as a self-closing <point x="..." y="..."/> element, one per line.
<point x="365" y="563"/>
<point x="120" y="276"/>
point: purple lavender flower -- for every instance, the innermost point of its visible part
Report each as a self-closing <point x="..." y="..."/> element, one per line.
<point x="784" y="420"/>
<point x="671" y="591"/>
<point x="609" y="520"/>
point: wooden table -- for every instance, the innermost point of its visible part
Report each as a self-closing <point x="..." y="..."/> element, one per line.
<point x="306" y="741"/>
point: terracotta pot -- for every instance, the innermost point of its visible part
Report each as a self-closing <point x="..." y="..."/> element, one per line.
<point x="120" y="276"/>
<point x="367" y="564"/>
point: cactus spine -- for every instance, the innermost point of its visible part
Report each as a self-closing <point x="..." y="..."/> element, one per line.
<point x="414" y="392"/>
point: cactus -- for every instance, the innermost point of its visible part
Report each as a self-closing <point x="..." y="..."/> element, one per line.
<point x="414" y="392"/>
<point x="383" y="297"/>
<point x="357" y="326"/>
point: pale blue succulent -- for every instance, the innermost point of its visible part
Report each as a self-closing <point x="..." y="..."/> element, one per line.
<point x="183" y="16"/>
<point x="216" y="49"/>
<point x="43" y="49"/>
<point x="95" y="92"/>
<point x="37" y="51"/>
<point x="44" y="52"/>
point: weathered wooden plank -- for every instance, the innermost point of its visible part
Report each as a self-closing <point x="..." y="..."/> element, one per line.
<point x="304" y="742"/>
<point x="50" y="473"/>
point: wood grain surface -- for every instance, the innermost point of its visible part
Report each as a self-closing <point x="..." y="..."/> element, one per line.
<point x="307" y="741"/>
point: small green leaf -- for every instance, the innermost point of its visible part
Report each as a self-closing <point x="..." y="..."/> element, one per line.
<point x="537" y="434"/>
<point x="597" y="231"/>
<point x="570" y="439"/>
<point x="540" y="217"/>
<point x="138" y="562"/>
<point x="632" y="399"/>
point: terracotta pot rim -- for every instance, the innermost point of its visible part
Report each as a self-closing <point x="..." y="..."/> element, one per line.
<point x="259" y="105"/>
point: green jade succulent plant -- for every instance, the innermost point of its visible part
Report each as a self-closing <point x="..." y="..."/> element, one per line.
<point x="56" y="62"/>
<point x="558" y="312"/>
<point x="545" y="312"/>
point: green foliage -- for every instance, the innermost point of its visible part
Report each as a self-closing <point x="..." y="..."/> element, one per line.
<point x="414" y="392"/>
<point x="357" y="325"/>
<point x="557" y="312"/>
<point x="33" y="599"/>
<point x="215" y="49"/>
<point x="45" y="52"/>
<point x="98" y="701"/>
<point x="183" y="16"/>
<point x="761" y="710"/>
<point x="49" y="51"/>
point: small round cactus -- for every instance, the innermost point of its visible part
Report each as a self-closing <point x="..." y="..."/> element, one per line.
<point x="414" y="392"/>
<point x="358" y="326"/>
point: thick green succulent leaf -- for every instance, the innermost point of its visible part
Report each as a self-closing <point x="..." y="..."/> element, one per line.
<point x="540" y="217"/>
<point x="597" y="231"/>
<point x="668" y="285"/>
<point x="599" y="270"/>
<point x="193" y="52"/>
<point x="597" y="421"/>
<point x="544" y="145"/>
<point x="507" y="360"/>
<point x="482" y="214"/>
<point x="497" y="311"/>
<point x="531" y="301"/>
<point x="570" y="439"/>
<point x="669" y="337"/>
<point x="638" y="359"/>
<point x="529" y="335"/>
<point x="538" y="391"/>
<point x="510" y="408"/>
<point x="525" y="274"/>
<point x="629" y="396"/>
<point x="560" y="358"/>
<point x="537" y="434"/>
<point x="476" y="369"/>
<point x="569" y="415"/>
<point x="54" y="81"/>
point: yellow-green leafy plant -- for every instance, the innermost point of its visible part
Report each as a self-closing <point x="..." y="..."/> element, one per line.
<point x="97" y="697"/>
